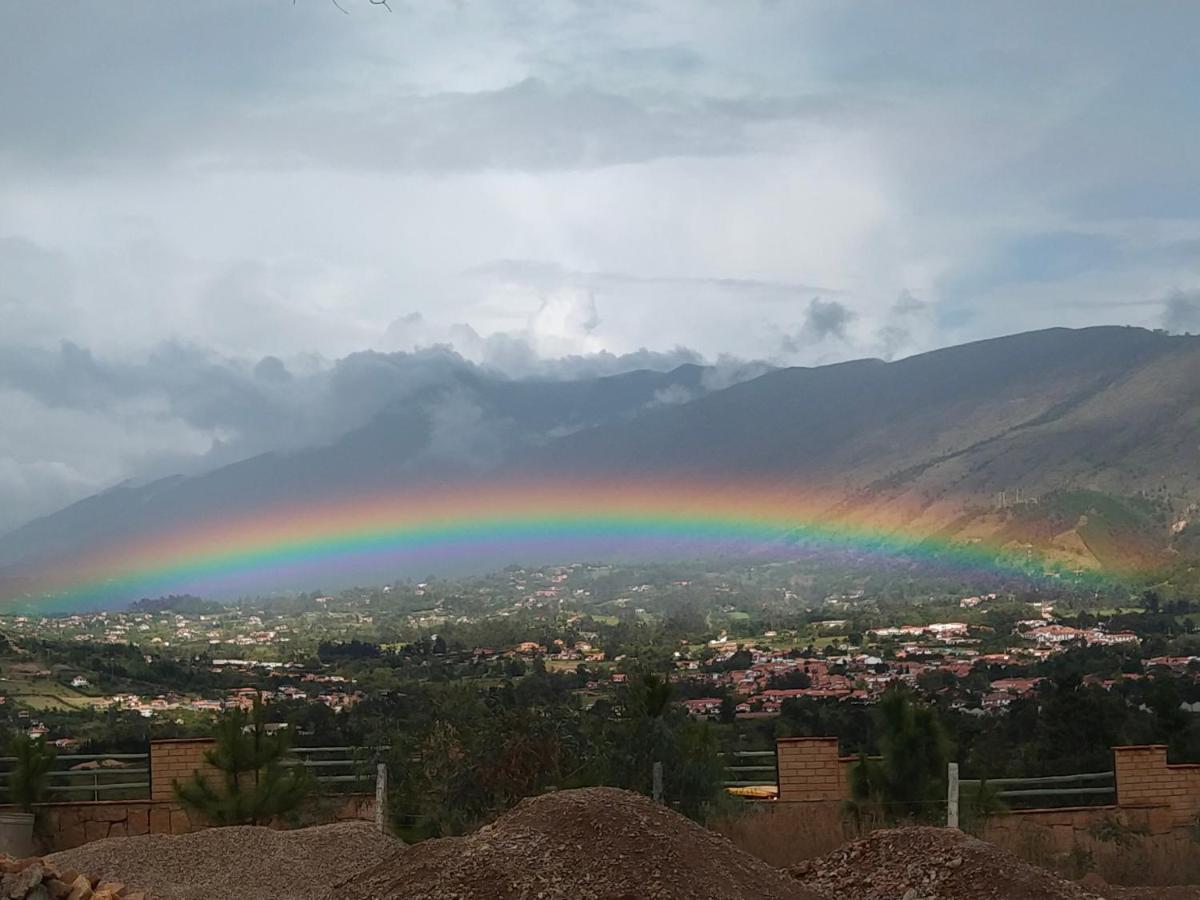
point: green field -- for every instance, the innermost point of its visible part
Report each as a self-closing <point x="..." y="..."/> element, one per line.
<point x="562" y="665"/>
<point x="42" y="693"/>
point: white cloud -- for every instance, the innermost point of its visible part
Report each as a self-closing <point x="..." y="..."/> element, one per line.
<point x="556" y="187"/>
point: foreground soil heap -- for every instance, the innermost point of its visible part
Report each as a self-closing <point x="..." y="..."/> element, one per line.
<point x="931" y="864"/>
<point x="585" y="845"/>
<point x="235" y="863"/>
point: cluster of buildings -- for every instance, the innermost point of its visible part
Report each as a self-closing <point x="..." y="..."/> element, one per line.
<point x="241" y="698"/>
<point x="906" y="652"/>
<point x="160" y="629"/>
<point x="1057" y="635"/>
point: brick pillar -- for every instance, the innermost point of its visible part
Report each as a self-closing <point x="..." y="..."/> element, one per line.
<point x="171" y="760"/>
<point x="809" y="769"/>
<point x="1141" y="776"/>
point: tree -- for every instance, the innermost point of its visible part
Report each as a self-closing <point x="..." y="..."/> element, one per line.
<point x="258" y="786"/>
<point x="795" y="679"/>
<point x="909" y="782"/>
<point x="728" y="714"/>
<point x="1151" y="601"/>
<point x="30" y="776"/>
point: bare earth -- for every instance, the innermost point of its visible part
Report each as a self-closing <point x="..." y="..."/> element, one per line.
<point x="589" y="844"/>
<point x="931" y="864"/>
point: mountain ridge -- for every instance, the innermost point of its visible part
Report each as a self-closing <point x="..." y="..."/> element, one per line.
<point x="937" y="436"/>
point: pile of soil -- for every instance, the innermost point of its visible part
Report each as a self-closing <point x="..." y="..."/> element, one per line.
<point x="236" y="863"/>
<point x="588" y="844"/>
<point x="931" y="864"/>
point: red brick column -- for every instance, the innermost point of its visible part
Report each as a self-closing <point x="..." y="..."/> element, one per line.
<point x="171" y="760"/>
<point x="809" y="769"/>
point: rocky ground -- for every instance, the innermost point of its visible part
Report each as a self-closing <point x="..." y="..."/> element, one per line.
<point x="39" y="879"/>
<point x="920" y="863"/>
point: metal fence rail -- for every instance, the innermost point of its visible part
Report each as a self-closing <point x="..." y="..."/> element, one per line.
<point x="339" y="765"/>
<point x="129" y="779"/>
<point x="333" y="768"/>
<point x="762" y="761"/>
<point x="1056" y="785"/>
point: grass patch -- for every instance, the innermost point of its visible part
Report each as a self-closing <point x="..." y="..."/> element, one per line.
<point x="44" y="693"/>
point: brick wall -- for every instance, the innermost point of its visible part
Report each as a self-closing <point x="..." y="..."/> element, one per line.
<point x="809" y="769"/>
<point x="1145" y="781"/>
<point x="171" y="760"/>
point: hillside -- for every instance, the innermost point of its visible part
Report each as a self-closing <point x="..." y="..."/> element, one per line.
<point x="959" y="440"/>
<point x="1080" y="444"/>
<point x="468" y="424"/>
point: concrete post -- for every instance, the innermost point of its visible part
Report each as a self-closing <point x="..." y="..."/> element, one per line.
<point x="381" y="797"/>
<point x="952" y="795"/>
<point x="658" y="783"/>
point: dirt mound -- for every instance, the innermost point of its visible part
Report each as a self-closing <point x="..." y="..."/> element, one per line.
<point x="931" y="864"/>
<point x="589" y="844"/>
<point x="235" y="863"/>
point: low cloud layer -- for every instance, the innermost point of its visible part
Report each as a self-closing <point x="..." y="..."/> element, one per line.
<point x="77" y="422"/>
<point x="1181" y="312"/>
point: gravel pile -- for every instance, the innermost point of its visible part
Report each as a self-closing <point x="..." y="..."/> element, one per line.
<point x="589" y="844"/>
<point x="931" y="864"/>
<point x="234" y="863"/>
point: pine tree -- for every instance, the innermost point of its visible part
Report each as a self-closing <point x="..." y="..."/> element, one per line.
<point x="910" y="780"/>
<point x="257" y="785"/>
<point x="30" y="776"/>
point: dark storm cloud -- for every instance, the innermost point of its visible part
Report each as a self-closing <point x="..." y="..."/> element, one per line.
<point x="823" y="319"/>
<point x="826" y="318"/>
<point x="1181" y="312"/>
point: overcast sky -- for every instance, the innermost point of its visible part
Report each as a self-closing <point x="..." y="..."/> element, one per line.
<point x="189" y="187"/>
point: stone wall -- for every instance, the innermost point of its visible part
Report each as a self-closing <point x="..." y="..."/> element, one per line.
<point x="62" y="826"/>
<point x="1056" y="829"/>
<point x="66" y="825"/>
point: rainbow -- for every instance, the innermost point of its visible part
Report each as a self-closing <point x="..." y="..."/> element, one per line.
<point x="317" y="541"/>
